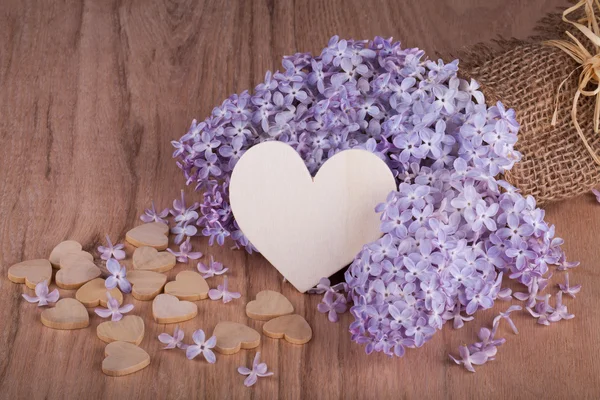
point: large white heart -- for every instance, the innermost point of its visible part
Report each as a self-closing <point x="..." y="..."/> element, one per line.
<point x="308" y="228"/>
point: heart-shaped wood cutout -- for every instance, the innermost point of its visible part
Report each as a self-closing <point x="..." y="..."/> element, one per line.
<point x="153" y="234"/>
<point x="188" y="285"/>
<point x="292" y="328"/>
<point x="168" y="309"/>
<point x="146" y="285"/>
<point x="124" y="358"/>
<point x="149" y="259"/>
<point x="233" y="336"/>
<point x="268" y="305"/>
<point x="67" y="314"/>
<point x="75" y="271"/>
<point x="67" y="247"/>
<point x="31" y="272"/>
<point x="129" y="329"/>
<point x="93" y="293"/>
<point x="308" y="228"/>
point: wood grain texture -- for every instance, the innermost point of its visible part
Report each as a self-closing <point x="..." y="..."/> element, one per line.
<point x="91" y="93"/>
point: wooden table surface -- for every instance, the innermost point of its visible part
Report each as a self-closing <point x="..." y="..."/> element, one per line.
<point x="91" y="93"/>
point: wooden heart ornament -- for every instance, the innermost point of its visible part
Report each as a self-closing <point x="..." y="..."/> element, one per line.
<point x="75" y="270"/>
<point x="233" y="336"/>
<point x="124" y="358"/>
<point x="308" y="227"/>
<point x="293" y="328"/>
<point x="67" y="314"/>
<point x="31" y="272"/>
<point x="146" y="285"/>
<point x="67" y="247"/>
<point x="94" y="292"/>
<point x="128" y="329"/>
<point x="147" y="258"/>
<point x="153" y="234"/>
<point x="268" y="304"/>
<point x="188" y="285"/>
<point x="168" y="309"/>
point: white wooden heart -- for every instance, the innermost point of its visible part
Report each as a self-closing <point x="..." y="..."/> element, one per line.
<point x="308" y="227"/>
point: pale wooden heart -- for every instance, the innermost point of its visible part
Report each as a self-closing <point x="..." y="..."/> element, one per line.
<point x="188" y="285"/>
<point x="292" y="328"/>
<point x="268" y="305"/>
<point x="75" y="271"/>
<point x="146" y="285"/>
<point x="168" y="309"/>
<point x="31" y="272"/>
<point x="124" y="358"/>
<point x="93" y="293"/>
<point x="153" y="234"/>
<point x="67" y="314"/>
<point x="149" y="259"/>
<point x="129" y="329"/>
<point x="67" y="247"/>
<point x="233" y="336"/>
<point x="308" y="228"/>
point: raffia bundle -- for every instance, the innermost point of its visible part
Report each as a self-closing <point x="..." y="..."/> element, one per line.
<point x="554" y="93"/>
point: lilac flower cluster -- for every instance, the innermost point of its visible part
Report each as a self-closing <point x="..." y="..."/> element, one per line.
<point x="451" y="231"/>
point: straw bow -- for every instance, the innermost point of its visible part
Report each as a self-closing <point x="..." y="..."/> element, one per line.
<point x="589" y="64"/>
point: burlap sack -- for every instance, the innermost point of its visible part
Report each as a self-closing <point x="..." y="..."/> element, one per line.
<point x="525" y="75"/>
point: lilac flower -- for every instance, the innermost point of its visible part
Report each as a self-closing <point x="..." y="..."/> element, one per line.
<point x="114" y="310"/>
<point x="488" y="345"/>
<point x="151" y="215"/>
<point x="222" y="292"/>
<point x="214" y="268"/>
<point x="567" y="289"/>
<point x="564" y="265"/>
<point x="420" y="331"/>
<point x="458" y="319"/>
<point x="333" y="305"/>
<point x="182" y="231"/>
<point x="506" y="316"/>
<point x="596" y="193"/>
<point x="118" y="276"/>
<point x="185" y="252"/>
<point x="258" y="370"/>
<point x="560" y="310"/>
<point x="42" y="295"/>
<point x="202" y="346"/>
<point x="174" y="341"/>
<point x="111" y="251"/>
<point x="180" y="207"/>
<point x="468" y="360"/>
<point x="542" y="311"/>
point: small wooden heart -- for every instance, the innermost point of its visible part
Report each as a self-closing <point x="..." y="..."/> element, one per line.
<point x="308" y="227"/>
<point x="75" y="271"/>
<point x="31" y="272"/>
<point x="93" y="293"/>
<point x="292" y="328"/>
<point x="188" y="285"/>
<point x="149" y="259"/>
<point x="268" y="305"/>
<point x="146" y="285"/>
<point x="233" y="336"/>
<point x="67" y="247"/>
<point x="67" y="314"/>
<point x="168" y="309"/>
<point x="124" y="358"/>
<point x="129" y="329"/>
<point x="153" y="234"/>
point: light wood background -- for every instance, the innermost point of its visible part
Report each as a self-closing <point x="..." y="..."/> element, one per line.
<point x="91" y="93"/>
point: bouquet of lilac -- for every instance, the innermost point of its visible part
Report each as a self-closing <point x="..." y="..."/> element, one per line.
<point x="453" y="228"/>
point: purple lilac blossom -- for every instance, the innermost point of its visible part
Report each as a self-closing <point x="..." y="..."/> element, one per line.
<point x="452" y="230"/>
